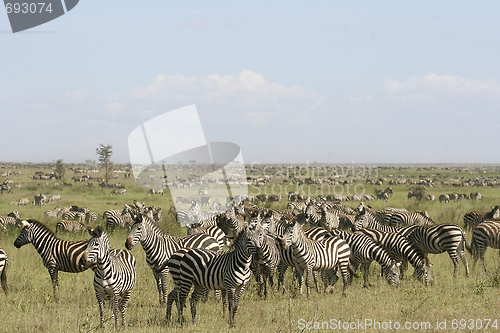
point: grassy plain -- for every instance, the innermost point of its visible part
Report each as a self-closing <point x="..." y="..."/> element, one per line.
<point x="30" y="308"/>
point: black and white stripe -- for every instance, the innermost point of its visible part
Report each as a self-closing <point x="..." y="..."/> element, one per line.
<point x="4" y="262"/>
<point x="402" y="219"/>
<point x="315" y="255"/>
<point x="438" y="239"/>
<point x="485" y="234"/>
<point x="159" y="246"/>
<point x="114" y="273"/>
<point x="473" y="219"/>
<point x="205" y="269"/>
<point x="57" y="255"/>
<point x="117" y="218"/>
<point x="69" y="226"/>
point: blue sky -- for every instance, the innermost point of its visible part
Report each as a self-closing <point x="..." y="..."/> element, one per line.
<point x="288" y="81"/>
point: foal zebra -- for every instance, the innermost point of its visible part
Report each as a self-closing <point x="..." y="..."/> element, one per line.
<point x="472" y="219"/>
<point x="159" y="246"/>
<point x="114" y="273"/>
<point x="484" y="235"/>
<point x="4" y="262"/>
<point x="229" y="272"/>
<point x="57" y="255"/>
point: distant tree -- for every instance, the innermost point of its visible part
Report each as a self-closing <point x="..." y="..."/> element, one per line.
<point x="60" y="171"/>
<point x="105" y="153"/>
<point x="418" y="192"/>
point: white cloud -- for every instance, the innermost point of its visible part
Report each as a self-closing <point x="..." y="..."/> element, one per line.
<point x="246" y="89"/>
<point x="199" y="24"/>
<point x="114" y="107"/>
<point x="77" y="95"/>
<point x="256" y="118"/>
<point x="433" y="85"/>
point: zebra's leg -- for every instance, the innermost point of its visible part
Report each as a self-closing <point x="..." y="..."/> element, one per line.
<point x="224" y="303"/>
<point x="231" y="302"/>
<point x="159" y="285"/>
<point x="344" y="268"/>
<point x="173" y="296"/>
<point x="125" y="297"/>
<point x="198" y="292"/>
<point x="461" y="252"/>
<point x="365" y="268"/>
<point x="217" y="296"/>
<point x="453" y="255"/>
<point x="481" y="256"/>
<point x="403" y="268"/>
<point x="184" y="291"/>
<point x="163" y="291"/>
<point x="55" y="282"/>
<point x="309" y="272"/>
<point x="282" y="268"/>
<point x="236" y="301"/>
<point x="204" y="295"/>
<point x="316" y="280"/>
<point x="102" y="311"/>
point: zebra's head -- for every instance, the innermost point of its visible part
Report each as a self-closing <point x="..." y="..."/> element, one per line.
<point x="97" y="246"/>
<point x="496" y="212"/>
<point x="391" y="273"/>
<point x="251" y="241"/>
<point x="291" y="235"/>
<point x="26" y="235"/>
<point x="423" y="274"/>
<point x="138" y="232"/>
<point x="361" y="220"/>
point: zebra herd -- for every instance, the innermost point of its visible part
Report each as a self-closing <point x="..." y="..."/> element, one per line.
<point x="223" y="250"/>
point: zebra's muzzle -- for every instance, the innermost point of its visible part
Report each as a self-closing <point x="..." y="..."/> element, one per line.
<point x="129" y="244"/>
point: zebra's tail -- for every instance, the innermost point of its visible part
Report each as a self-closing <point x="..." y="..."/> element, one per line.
<point x="4" y="278"/>
<point x="472" y="249"/>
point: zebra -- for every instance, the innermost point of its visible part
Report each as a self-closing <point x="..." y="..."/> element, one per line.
<point x="12" y="219"/>
<point x="159" y="246"/>
<point x="205" y="269"/>
<point x="400" y="250"/>
<point x="328" y="219"/>
<point x="366" y="219"/>
<point x="310" y="255"/>
<point x="473" y="219"/>
<point x="265" y="267"/>
<point x="438" y="239"/>
<point x="4" y="262"/>
<point x="444" y="197"/>
<point x="212" y="230"/>
<point x="117" y="218"/>
<point x="363" y="251"/>
<point x="114" y="273"/>
<point x="57" y="254"/>
<point x="5" y="187"/>
<point x="155" y="191"/>
<point x="217" y="206"/>
<point x="39" y="200"/>
<point x="74" y="216"/>
<point x="485" y="234"/>
<point x="476" y="196"/>
<point x="51" y="213"/>
<point x="54" y="197"/>
<point x="401" y="219"/>
<point x="69" y="226"/>
<point x="312" y="215"/>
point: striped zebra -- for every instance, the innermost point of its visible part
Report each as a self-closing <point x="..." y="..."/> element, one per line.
<point x="444" y="197"/>
<point x="264" y="268"/>
<point x="311" y="255"/>
<point x="441" y="238"/>
<point x="363" y="251"/>
<point x="473" y="219"/>
<point x="12" y="219"/>
<point x="205" y="269"/>
<point x="4" y="262"/>
<point x="366" y="219"/>
<point x="312" y="215"/>
<point x="401" y="219"/>
<point x="51" y="213"/>
<point x="114" y="273"/>
<point x="400" y="250"/>
<point x="116" y="218"/>
<point x="68" y="226"/>
<point x="57" y="254"/>
<point x="485" y="234"/>
<point x="328" y="220"/>
<point x="74" y="216"/>
<point x="159" y="246"/>
<point x="212" y="230"/>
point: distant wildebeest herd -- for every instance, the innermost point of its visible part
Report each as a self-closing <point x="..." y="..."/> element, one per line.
<point x="319" y="236"/>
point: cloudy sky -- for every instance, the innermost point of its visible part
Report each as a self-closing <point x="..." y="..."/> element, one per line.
<point x="327" y="81"/>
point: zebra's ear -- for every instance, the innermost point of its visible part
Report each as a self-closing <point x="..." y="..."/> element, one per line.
<point x="90" y="231"/>
<point x="98" y="231"/>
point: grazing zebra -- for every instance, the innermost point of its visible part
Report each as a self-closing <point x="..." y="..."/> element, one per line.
<point x="51" y="213"/>
<point x="69" y="226"/>
<point x="485" y="234"/>
<point x="382" y="196"/>
<point x="429" y="197"/>
<point x="401" y="219"/>
<point x="54" y="197"/>
<point x="205" y="269"/>
<point x="39" y="200"/>
<point x="57" y="255"/>
<point x="444" y="197"/>
<point x="159" y="246"/>
<point x="315" y="255"/>
<point x="400" y="250"/>
<point x="4" y="262"/>
<point x="217" y="206"/>
<point x="476" y="196"/>
<point x="155" y="191"/>
<point x="5" y="187"/>
<point x="114" y="273"/>
<point x="363" y="251"/>
<point x="297" y="206"/>
<point x="12" y="219"/>
<point x="440" y="238"/>
<point x="117" y="218"/>
<point x="74" y="216"/>
<point x="472" y="219"/>
<point x="368" y="220"/>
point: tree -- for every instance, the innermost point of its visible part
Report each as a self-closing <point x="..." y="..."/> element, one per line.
<point x="60" y="171"/>
<point x="105" y="153"/>
<point x="418" y="192"/>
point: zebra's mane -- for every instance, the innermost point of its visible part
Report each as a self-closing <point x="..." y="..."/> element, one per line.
<point x="157" y="229"/>
<point x="40" y="225"/>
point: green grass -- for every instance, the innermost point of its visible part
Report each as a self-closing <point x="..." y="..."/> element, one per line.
<point x="30" y="308"/>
